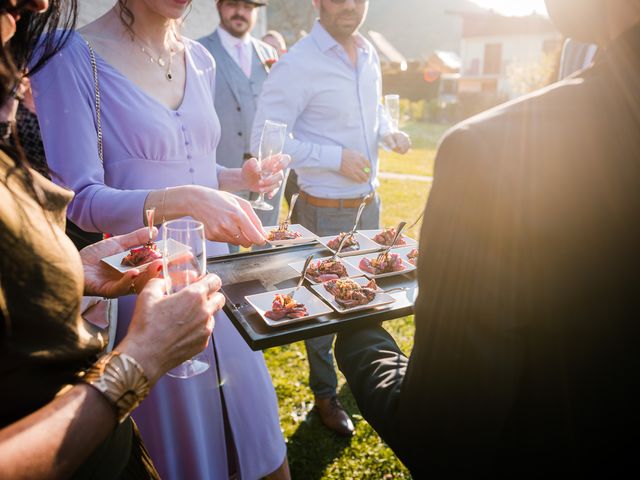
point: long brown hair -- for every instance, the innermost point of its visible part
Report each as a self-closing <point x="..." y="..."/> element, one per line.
<point x="126" y="16"/>
<point x="36" y="40"/>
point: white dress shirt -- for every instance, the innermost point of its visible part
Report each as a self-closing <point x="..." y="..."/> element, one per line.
<point x="236" y="47"/>
<point x="329" y="105"/>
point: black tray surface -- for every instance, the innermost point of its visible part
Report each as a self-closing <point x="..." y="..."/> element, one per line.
<point x="265" y="270"/>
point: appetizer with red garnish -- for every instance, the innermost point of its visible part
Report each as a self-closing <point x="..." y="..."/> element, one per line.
<point x="412" y="257"/>
<point x="278" y="234"/>
<point x="325" y="270"/>
<point x="391" y="262"/>
<point x="285" y="306"/>
<point x="386" y="236"/>
<point x="141" y="255"/>
<point x="349" y="294"/>
<point x="350" y="244"/>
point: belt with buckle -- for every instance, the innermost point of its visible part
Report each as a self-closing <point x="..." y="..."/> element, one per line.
<point x="334" y="202"/>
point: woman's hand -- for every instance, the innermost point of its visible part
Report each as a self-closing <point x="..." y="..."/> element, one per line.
<point x="103" y="281"/>
<point x="275" y="165"/>
<point x="226" y="217"/>
<point x="167" y="330"/>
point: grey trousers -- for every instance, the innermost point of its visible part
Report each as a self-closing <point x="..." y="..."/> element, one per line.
<point x="323" y="380"/>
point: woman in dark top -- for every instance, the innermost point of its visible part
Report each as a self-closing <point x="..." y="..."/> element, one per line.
<point x="65" y="409"/>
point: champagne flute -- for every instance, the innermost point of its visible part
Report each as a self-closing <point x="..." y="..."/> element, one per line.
<point x="184" y="261"/>
<point x="392" y="106"/>
<point x="271" y="146"/>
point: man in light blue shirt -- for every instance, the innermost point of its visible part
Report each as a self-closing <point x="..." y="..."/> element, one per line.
<point x="328" y="89"/>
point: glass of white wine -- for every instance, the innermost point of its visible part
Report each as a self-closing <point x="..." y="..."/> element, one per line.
<point x="184" y="260"/>
<point x="271" y="146"/>
<point x="392" y="106"/>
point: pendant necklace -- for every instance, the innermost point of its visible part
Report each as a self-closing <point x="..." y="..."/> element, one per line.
<point x="161" y="61"/>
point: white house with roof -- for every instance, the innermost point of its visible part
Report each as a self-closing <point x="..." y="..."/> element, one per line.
<point x="492" y="43"/>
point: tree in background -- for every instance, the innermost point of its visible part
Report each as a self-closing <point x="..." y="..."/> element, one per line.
<point x="526" y="77"/>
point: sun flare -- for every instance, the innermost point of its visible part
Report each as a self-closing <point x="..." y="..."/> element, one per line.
<point x="514" y="7"/>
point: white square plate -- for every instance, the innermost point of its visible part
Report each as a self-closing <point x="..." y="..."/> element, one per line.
<point x="404" y="251"/>
<point x="351" y="272"/>
<point x="355" y="261"/>
<point x="262" y="302"/>
<point x="306" y="237"/>
<point x="380" y="300"/>
<point x="409" y="242"/>
<point x="115" y="261"/>
<point x="366" y="245"/>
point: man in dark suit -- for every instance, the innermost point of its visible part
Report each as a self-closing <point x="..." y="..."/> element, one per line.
<point x="526" y="351"/>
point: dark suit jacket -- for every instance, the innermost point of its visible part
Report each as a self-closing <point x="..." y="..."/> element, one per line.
<point x="527" y="345"/>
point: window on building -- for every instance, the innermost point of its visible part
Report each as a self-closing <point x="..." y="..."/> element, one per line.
<point x="492" y="59"/>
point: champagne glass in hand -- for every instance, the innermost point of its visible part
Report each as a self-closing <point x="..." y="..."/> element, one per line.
<point x="392" y="106"/>
<point x="271" y="146"/>
<point x="184" y="261"/>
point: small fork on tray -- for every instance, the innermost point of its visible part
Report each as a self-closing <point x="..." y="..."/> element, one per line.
<point x="284" y="225"/>
<point x="385" y="252"/>
<point x="304" y="273"/>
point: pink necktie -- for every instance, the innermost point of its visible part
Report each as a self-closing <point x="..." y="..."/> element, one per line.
<point x="243" y="60"/>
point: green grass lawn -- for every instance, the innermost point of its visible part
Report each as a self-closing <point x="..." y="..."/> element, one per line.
<point x="419" y="161"/>
<point x="314" y="452"/>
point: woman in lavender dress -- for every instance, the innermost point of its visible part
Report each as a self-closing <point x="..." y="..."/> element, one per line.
<point x="160" y="135"/>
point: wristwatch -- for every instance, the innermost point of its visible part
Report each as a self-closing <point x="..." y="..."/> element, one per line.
<point x="121" y="379"/>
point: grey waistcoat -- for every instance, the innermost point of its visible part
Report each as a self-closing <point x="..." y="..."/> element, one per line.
<point x="236" y="97"/>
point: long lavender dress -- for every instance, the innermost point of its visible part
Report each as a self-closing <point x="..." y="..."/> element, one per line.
<point x="148" y="146"/>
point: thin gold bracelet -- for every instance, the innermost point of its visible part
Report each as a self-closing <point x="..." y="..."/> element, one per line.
<point x="164" y="196"/>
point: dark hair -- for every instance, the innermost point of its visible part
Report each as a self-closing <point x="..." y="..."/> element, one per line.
<point x="36" y="40"/>
<point x="126" y="16"/>
<point x="33" y="44"/>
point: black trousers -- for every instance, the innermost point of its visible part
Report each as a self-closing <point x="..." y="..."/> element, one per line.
<point x="375" y="368"/>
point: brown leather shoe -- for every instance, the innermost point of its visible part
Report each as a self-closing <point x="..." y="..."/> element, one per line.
<point x="334" y="416"/>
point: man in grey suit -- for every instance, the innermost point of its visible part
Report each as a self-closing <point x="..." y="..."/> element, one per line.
<point x="243" y="63"/>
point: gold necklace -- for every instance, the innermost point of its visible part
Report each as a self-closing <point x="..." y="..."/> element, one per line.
<point x="161" y="62"/>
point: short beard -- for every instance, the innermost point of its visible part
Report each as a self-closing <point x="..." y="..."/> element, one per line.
<point x="227" y="26"/>
<point x="338" y="33"/>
